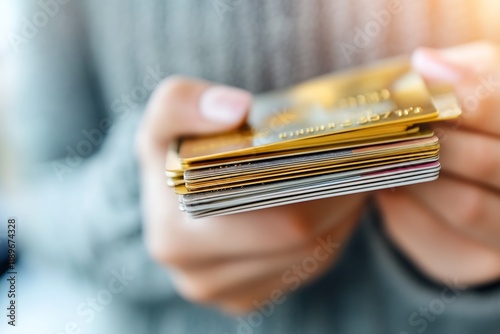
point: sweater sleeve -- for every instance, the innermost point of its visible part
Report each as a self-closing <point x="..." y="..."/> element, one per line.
<point x="77" y="199"/>
<point x="419" y="304"/>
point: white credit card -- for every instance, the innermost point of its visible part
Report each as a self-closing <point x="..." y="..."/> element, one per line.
<point x="209" y="196"/>
<point x="349" y="185"/>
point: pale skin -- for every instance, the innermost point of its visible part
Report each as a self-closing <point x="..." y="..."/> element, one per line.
<point x="450" y="229"/>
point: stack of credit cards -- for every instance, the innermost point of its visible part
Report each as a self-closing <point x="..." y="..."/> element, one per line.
<point x="354" y="131"/>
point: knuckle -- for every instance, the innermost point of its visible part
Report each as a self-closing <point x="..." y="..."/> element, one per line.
<point x="157" y="253"/>
<point x="474" y="104"/>
<point x="165" y="101"/>
<point x="286" y="221"/>
<point x="484" y="101"/>
<point x="483" y="162"/>
<point x="174" y="87"/>
<point x="165" y="252"/>
<point x="301" y="229"/>
<point x="489" y="167"/>
<point x="478" y="99"/>
<point x="472" y="210"/>
<point x="196" y="292"/>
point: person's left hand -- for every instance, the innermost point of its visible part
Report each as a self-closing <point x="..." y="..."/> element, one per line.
<point x="450" y="228"/>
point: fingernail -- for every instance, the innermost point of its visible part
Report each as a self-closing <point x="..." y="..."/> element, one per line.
<point x="431" y="65"/>
<point x="225" y="104"/>
<point x="477" y="56"/>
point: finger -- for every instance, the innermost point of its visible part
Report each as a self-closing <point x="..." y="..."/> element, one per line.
<point x="470" y="209"/>
<point x="257" y="233"/>
<point x="178" y="107"/>
<point x="223" y="280"/>
<point x="229" y="281"/>
<point x="446" y="64"/>
<point x="479" y="97"/>
<point x="435" y="247"/>
<point x="474" y="70"/>
<point x="171" y="241"/>
<point x="181" y="106"/>
<point x="471" y="156"/>
<point x="271" y="291"/>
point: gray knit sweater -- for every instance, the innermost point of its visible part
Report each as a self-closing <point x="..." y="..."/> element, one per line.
<point x="94" y="63"/>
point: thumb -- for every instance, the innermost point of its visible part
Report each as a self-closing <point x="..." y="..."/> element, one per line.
<point x="474" y="72"/>
<point x="181" y="107"/>
<point x="455" y="64"/>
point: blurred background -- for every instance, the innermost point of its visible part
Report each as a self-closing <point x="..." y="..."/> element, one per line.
<point x="63" y="301"/>
<point x="3" y="105"/>
<point x="3" y="56"/>
<point x="4" y="53"/>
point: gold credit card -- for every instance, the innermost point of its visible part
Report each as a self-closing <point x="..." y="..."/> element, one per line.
<point x="346" y="103"/>
<point x="240" y="180"/>
<point x="175" y="174"/>
<point x="235" y="183"/>
<point x="308" y="161"/>
<point x="358" y="130"/>
<point x="294" y="184"/>
<point x="340" y="142"/>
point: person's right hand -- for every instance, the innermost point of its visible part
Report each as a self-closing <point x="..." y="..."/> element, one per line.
<point x="238" y="260"/>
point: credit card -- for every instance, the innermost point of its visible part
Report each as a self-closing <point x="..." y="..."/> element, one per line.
<point x="358" y="130"/>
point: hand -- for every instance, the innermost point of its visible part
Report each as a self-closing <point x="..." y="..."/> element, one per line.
<point x="230" y="261"/>
<point x="450" y="228"/>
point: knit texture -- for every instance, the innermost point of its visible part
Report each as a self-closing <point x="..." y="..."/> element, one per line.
<point x="94" y="62"/>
